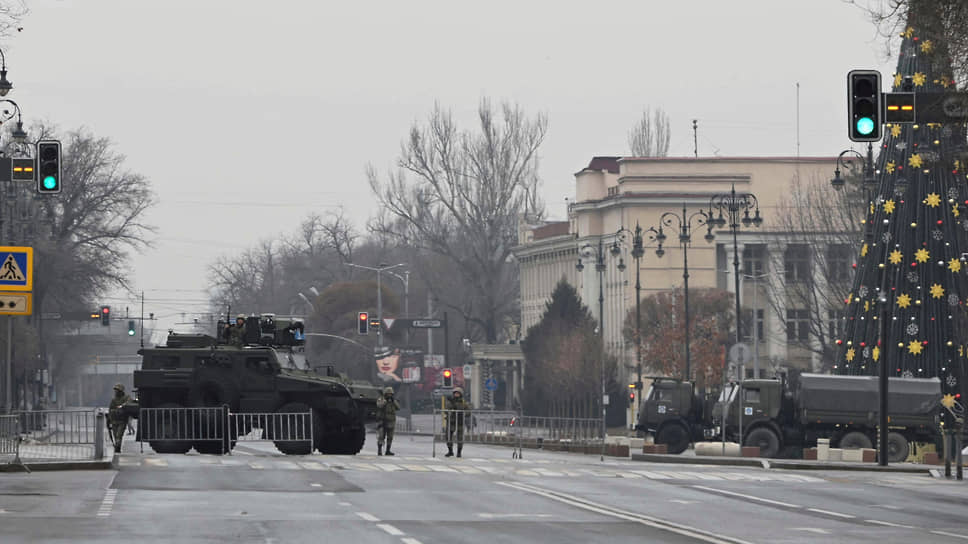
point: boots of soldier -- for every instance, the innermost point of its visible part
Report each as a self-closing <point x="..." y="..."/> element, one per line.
<point x="379" y="449"/>
<point x="450" y="451"/>
<point x="388" y="447"/>
<point x="460" y="447"/>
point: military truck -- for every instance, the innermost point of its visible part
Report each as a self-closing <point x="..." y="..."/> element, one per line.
<point x="795" y="413"/>
<point x="676" y="414"/>
<point x="263" y="375"/>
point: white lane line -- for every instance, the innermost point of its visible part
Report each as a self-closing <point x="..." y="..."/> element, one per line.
<point x="812" y="530"/>
<point x="649" y="521"/>
<point x="889" y="524"/>
<point x="390" y="529"/>
<point x="953" y="535"/>
<point x="367" y="517"/>
<point x="107" y="503"/>
<point x="341" y="503"/>
<point x="409" y="540"/>
<point x="745" y="496"/>
<point x="316" y="485"/>
<point x="829" y="513"/>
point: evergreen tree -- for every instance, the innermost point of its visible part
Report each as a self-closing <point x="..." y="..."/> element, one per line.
<point x="910" y="269"/>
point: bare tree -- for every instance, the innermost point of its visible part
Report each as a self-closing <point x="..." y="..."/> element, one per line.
<point x="650" y="137"/>
<point x="458" y="196"/>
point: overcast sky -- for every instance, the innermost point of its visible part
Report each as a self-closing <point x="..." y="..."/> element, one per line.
<point x="247" y="116"/>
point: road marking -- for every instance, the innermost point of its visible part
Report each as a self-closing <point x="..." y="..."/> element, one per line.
<point x="493" y="516"/>
<point x="107" y="503"/>
<point x="745" y="496"/>
<point x="889" y="524"/>
<point x="256" y="466"/>
<point x="888" y="506"/>
<point x="649" y="521"/>
<point x="156" y="462"/>
<point x="409" y="540"/>
<point x="829" y="513"/>
<point x="316" y="485"/>
<point x="367" y="517"/>
<point x="390" y="529"/>
<point x="416" y="468"/>
<point x="328" y="493"/>
<point x="953" y="535"/>
<point x="312" y="466"/>
<point x="389" y="467"/>
<point x="341" y="503"/>
<point x="812" y="530"/>
<point x="681" y="501"/>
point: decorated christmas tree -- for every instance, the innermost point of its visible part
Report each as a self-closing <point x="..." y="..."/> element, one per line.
<point x="910" y="268"/>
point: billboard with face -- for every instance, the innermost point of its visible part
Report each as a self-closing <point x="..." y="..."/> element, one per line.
<point x="394" y="364"/>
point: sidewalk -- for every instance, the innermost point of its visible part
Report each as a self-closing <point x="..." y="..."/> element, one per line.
<point x="791" y="464"/>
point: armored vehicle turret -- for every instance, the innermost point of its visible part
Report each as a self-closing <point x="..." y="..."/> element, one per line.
<point x="260" y="372"/>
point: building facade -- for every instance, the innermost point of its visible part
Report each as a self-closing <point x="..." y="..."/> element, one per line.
<point x="615" y="193"/>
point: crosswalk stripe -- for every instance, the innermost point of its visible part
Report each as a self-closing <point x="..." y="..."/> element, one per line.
<point x="389" y="467"/>
<point x="312" y="465"/>
<point x="416" y="468"/>
<point x="468" y="470"/>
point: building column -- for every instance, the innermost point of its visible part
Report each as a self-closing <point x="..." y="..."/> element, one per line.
<point x="776" y="331"/>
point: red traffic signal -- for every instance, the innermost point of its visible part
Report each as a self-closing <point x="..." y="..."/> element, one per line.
<point x="364" y="323"/>
<point x="105" y="315"/>
<point x="448" y="377"/>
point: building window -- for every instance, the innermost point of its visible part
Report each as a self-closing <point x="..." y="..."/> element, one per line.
<point x="835" y="324"/>
<point x="796" y="262"/>
<point x="798" y="325"/>
<point x="754" y="259"/>
<point x="748" y="325"/>
<point x="839" y="258"/>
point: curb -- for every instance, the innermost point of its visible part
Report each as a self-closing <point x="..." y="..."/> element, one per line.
<point x="62" y="465"/>
<point x="777" y="463"/>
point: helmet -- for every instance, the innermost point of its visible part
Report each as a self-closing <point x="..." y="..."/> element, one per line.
<point x="240" y="316"/>
<point x="459" y="390"/>
<point x="388" y="390"/>
<point x="119" y="387"/>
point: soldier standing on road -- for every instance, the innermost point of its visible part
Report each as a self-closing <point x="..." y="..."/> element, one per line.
<point x="457" y="409"/>
<point x="386" y="413"/>
<point x="117" y="419"/>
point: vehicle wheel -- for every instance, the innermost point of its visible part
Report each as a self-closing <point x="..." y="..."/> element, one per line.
<point x="168" y="425"/>
<point x="291" y="429"/>
<point x="765" y="439"/>
<point x="897" y="447"/>
<point x="855" y="440"/>
<point x="349" y="442"/>
<point x="675" y="436"/>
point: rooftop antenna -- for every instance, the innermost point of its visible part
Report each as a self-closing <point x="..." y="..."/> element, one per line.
<point x="798" y="119"/>
<point x="695" y="138"/>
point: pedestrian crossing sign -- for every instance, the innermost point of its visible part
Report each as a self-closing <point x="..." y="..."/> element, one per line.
<point x="16" y="268"/>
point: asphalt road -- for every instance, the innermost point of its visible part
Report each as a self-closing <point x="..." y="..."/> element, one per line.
<point x="258" y="495"/>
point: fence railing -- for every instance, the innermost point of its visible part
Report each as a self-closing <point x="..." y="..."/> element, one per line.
<point x="540" y="429"/>
<point x="39" y="436"/>
<point x="218" y="430"/>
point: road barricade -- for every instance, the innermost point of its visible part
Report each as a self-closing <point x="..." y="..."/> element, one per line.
<point x="39" y="436"/>
<point x="218" y="430"/>
<point x="582" y="435"/>
<point x="475" y="427"/>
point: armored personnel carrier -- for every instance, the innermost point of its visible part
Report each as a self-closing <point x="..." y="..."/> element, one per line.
<point x="261" y="372"/>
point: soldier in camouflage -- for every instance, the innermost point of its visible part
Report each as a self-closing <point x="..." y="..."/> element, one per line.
<point x="386" y="413"/>
<point x="235" y="334"/>
<point x="117" y="419"/>
<point x="457" y="412"/>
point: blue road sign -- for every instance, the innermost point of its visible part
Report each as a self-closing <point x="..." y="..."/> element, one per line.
<point x="490" y="384"/>
<point x="16" y="268"/>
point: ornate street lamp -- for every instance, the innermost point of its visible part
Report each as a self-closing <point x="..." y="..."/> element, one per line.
<point x="684" y="223"/>
<point x="637" y="252"/>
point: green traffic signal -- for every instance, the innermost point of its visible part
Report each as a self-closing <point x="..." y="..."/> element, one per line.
<point x="865" y="125"/>
<point x="131" y="328"/>
<point x="50" y="183"/>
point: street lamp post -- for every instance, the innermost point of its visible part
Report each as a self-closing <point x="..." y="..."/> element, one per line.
<point x="588" y="251"/>
<point x="684" y="223"/>
<point x="379" y="292"/>
<point x="732" y="204"/>
<point x="637" y="253"/>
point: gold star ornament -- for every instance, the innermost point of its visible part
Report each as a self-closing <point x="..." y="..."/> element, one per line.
<point x="889" y="206"/>
<point x="915" y="161"/>
<point x="895" y="131"/>
<point x="919" y="78"/>
<point x="850" y="354"/>
<point x="922" y="255"/>
<point x="948" y="401"/>
<point x="937" y="291"/>
<point x="908" y="32"/>
<point x="933" y="200"/>
<point x="898" y="78"/>
<point x="863" y="250"/>
<point x="954" y="265"/>
<point x="903" y="301"/>
<point x="895" y="257"/>
<point x="914" y="347"/>
<point x="876" y="353"/>
<point x="927" y="46"/>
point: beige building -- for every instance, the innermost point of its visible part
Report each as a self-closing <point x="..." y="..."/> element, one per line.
<point x="614" y="192"/>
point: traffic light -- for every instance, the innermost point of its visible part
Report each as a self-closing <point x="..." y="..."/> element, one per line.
<point x="864" y="105"/>
<point x="131" y="330"/>
<point x="48" y="166"/>
<point x="631" y="392"/>
<point x="105" y="315"/>
<point x="364" y="323"/>
<point x="375" y="324"/>
<point x="448" y="377"/>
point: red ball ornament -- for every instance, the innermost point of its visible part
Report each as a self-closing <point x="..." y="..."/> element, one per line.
<point x="839" y="342"/>
<point x="939" y="222"/>
<point x="863" y="344"/>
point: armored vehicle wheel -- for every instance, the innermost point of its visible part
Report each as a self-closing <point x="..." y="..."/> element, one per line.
<point x="675" y="436"/>
<point x="855" y="439"/>
<point x="345" y="443"/>
<point x="169" y="425"/>
<point x="897" y="447"/>
<point x="765" y="439"/>
<point x="291" y="429"/>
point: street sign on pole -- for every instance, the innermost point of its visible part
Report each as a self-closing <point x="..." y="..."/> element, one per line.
<point x="740" y="353"/>
<point x="426" y="323"/>
<point x="490" y="384"/>
<point x="15" y="303"/>
<point x="16" y="268"/>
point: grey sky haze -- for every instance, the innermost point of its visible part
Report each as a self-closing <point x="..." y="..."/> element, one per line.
<point x="246" y="116"/>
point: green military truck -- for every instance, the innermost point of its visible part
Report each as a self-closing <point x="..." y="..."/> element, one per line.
<point x="795" y="413"/>
<point x="263" y="375"/>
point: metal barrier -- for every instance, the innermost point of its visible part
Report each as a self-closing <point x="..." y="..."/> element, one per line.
<point x="40" y="436"/>
<point x="476" y="427"/>
<point x="217" y="430"/>
<point x="539" y="431"/>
